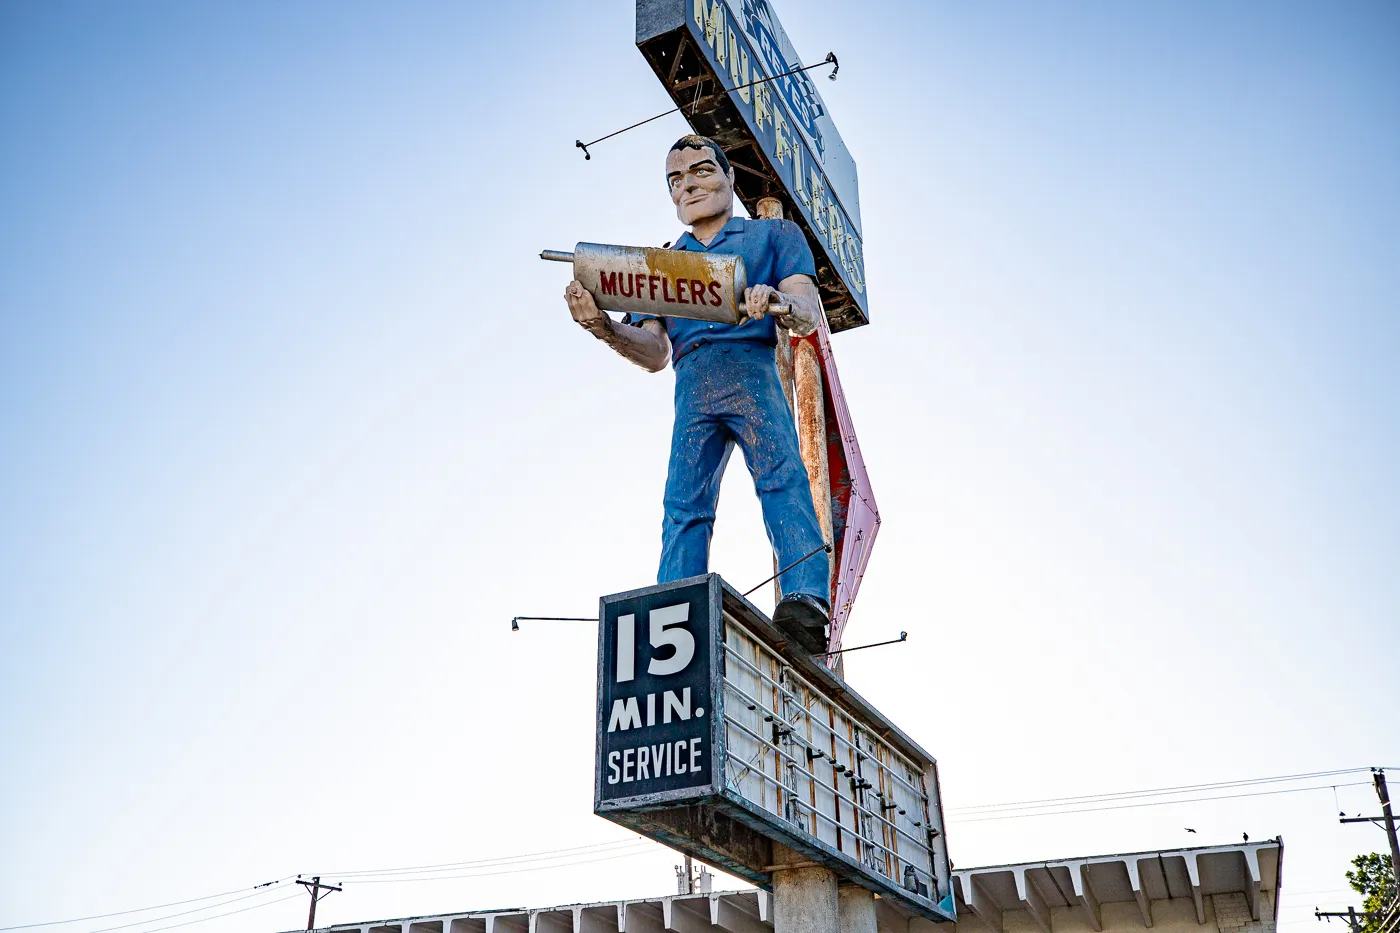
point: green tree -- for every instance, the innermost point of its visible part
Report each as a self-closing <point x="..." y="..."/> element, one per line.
<point x="1374" y="880"/>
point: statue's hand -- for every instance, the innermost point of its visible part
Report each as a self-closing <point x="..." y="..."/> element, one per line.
<point x="584" y="310"/>
<point x="756" y="301"/>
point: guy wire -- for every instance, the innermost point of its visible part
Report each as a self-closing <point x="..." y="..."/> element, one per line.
<point x="829" y="60"/>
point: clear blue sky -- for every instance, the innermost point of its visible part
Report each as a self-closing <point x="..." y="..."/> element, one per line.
<point x="292" y="421"/>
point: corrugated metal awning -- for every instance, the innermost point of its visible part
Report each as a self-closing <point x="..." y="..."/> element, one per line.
<point x="1142" y="877"/>
<point x="983" y="895"/>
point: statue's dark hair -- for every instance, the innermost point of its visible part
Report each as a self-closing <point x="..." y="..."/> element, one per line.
<point x="693" y="141"/>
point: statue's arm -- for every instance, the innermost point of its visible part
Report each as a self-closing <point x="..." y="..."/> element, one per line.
<point x="798" y="292"/>
<point x="647" y="345"/>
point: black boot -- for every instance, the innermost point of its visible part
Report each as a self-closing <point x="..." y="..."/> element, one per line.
<point x="803" y="618"/>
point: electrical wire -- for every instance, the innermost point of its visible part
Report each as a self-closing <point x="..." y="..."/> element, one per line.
<point x="186" y="913"/>
<point x="1153" y="791"/>
<point x="502" y="860"/>
<point x="142" y="910"/>
<point x="520" y="863"/>
<point x="635" y="848"/>
<point x="217" y="916"/>
<point x="1150" y="803"/>
<point x="360" y="876"/>
<point x="1317" y="891"/>
<point x="508" y="871"/>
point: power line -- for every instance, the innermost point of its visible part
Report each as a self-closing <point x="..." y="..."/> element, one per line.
<point x="218" y="916"/>
<point x="505" y="859"/>
<point x="1154" y="791"/>
<point x="978" y="813"/>
<point x="523" y="865"/>
<point x="518" y="863"/>
<point x="508" y="871"/>
<point x="171" y="916"/>
<point x="142" y="910"/>
<point x="1150" y="803"/>
<point x="1317" y="891"/>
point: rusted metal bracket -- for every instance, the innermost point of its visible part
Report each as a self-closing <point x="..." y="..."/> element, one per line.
<point x="814" y="553"/>
<point x="903" y="636"/>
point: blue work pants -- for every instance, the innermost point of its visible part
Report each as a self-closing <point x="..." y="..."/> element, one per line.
<point x="728" y="393"/>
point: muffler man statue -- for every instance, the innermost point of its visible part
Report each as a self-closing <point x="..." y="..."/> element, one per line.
<point x="727" y="388"/>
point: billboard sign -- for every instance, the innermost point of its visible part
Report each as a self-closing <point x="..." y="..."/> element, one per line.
<point x="777" y="133"/>
<point x="715" y="739"/>
<point x="775" y="55"/>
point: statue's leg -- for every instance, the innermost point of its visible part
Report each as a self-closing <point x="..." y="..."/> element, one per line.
<point x="700" y="448"/>
<point x="763" y="426"/>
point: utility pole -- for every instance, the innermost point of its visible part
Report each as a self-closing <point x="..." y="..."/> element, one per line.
<point x="1352" y="917"/>
<point x="1388" y="815"/>
<point x="1378" y="777"/>
<point x="314" y="887"/>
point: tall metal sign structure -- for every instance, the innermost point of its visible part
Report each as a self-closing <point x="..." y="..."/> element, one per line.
<point x="715" y="736"/>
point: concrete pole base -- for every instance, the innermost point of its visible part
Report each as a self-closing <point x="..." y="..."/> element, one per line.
<point x="856" y="909"/>
<point x="804" y="898"/>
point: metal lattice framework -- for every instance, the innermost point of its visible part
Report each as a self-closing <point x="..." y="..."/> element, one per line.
<point x="795" y="753"/>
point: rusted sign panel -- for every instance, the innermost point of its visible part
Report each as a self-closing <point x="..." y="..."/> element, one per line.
<point x="776" y="134"/>
<point x="716" y="740"/>
<point x="855" y="518"/>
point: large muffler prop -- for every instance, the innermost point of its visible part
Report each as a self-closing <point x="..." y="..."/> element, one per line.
<point x="662" y="282"/>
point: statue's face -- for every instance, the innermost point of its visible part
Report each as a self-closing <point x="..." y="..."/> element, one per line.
<point x="698" y="188"/>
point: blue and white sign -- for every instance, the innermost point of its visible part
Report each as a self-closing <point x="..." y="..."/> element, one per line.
<point x="804" y="102"/>
<point x="716" y="739"/>
<point x="656" y="703"/>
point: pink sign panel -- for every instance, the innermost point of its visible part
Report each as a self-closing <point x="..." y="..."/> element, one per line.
<point x="855" y="519"/>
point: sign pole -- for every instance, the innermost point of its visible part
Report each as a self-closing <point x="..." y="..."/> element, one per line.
<point x="772" y="209"/>
<point x="811" y="430"/>
<point x="805" y="898"/>
<point x="800" y="372"/>
<point x="856" y="909"/>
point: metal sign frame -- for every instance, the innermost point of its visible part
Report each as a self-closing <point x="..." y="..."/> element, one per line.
<point x="796" y="757"/>
<point x="855" y="517"/>
<point x="648" y="692"/>
<point x="699" y="50"/>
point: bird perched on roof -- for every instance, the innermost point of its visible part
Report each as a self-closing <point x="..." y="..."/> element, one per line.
<point x="1246" y="837"/>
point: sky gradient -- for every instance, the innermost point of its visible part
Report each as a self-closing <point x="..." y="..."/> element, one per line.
<point x="293" y="421"/>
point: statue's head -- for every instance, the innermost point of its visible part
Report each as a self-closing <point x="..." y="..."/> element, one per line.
<point x="700" y="178"/>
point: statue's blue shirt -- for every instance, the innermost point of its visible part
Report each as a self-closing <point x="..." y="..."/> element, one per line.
<point x="772" y="250"/>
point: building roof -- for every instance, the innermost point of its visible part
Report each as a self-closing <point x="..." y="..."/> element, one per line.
<point x="1084" y="884"/>
<point x="1089" y="882"/>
